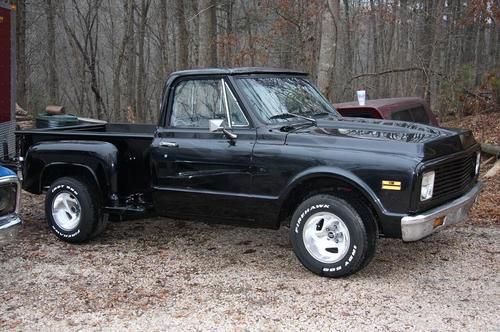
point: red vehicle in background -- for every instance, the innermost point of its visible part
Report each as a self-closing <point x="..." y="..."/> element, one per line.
<point x="412" y="109"/>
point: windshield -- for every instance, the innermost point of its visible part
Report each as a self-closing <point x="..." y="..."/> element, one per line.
<point x="273" y="98"/>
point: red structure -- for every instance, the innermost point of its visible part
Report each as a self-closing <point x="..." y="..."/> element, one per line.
<point x="7" y="79"/>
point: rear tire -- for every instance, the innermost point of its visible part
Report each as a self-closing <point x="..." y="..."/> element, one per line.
<point x="330" y="238"/>
<point x="73" y="209"/>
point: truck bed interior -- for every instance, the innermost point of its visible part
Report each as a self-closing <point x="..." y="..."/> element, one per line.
<point x="109" y="129"/>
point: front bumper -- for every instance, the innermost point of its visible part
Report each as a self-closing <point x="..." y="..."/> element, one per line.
<point x="414" y="228"/>
<point x="9" y="227"/>
<point x="10" y="223"/>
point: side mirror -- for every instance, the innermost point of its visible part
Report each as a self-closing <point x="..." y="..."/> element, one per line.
<point x="215" y="125"/>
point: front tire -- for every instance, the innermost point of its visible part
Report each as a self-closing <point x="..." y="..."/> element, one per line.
<point x="73" y="210"/>
<point x="330" y="238"/>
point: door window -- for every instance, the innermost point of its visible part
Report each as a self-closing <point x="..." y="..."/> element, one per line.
<point x="198" y="101"/>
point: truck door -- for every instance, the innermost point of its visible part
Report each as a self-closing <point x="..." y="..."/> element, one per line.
<point x="197" y="172"/>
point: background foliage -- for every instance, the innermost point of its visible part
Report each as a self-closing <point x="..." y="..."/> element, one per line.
<point x="108" y="59"/>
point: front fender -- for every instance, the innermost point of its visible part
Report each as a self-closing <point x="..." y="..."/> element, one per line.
<point x="98" y="158"/>
<point x="336" y="173"/>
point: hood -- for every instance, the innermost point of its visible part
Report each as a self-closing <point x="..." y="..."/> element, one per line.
<point x="386" y="135"/>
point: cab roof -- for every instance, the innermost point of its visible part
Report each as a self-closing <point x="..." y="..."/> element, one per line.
<point x="234" y="71"/>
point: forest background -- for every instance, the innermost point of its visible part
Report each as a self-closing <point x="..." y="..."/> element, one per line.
<point x="108" y="59"/>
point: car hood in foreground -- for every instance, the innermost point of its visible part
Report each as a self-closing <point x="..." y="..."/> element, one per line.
<point x="5" y="172"/>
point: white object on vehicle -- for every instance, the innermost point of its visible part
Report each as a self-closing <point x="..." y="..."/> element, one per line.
<point x="361" y="97"/>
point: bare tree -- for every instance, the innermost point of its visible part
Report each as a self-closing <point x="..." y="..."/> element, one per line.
<point x="328" y="47"/>
<point x="50" y="10"/>
<point x="86" y="41"/>
<point x="141" y="108"/>
<point x="111" y="58"/>
<point x="22" y="75"/>
<point x="182" y="36"/>
<point x="207" y="33"/>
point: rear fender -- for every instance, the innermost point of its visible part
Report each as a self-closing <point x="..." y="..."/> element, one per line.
<point x="47" y="161"/>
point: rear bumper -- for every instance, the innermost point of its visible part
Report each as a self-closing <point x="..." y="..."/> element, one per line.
<point x="414" y="228"/>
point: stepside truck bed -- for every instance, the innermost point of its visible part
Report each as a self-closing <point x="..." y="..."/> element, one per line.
<point x="131" y="140"/>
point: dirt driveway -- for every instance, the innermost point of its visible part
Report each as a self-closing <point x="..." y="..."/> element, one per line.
<point x="162" y="274"/>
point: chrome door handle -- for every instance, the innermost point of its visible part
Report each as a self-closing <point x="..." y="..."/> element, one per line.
<point x="169" y="144"/>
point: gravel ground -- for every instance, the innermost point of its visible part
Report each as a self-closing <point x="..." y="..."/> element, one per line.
<point x="161" y="274"/>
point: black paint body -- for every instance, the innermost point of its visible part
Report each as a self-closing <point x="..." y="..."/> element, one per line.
<point x="250" y="179"/>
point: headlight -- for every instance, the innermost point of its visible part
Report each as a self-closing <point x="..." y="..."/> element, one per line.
<point x="478" y="161"/>
<point x="7" y="199"/>
<point x="427" y="185"/>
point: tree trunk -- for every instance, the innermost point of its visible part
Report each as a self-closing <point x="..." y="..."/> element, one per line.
<point x="182" y="36"/>
<point x="207" y="33"/>
<point x="479" y="52"/>
<point x="328" y="47"/>
<point x="50" y="10"/>
<point x="375" y="49"/>
<point x="117" y="70"/>
<point x="164" y="39"/>
<point x="131" y="64"/>
<point x="141" y="108"/>
<point x="348" y="54"/>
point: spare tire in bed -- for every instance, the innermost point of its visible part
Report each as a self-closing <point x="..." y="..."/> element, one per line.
<point x="45" y="120"/>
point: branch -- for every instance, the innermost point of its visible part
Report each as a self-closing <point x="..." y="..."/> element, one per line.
<point x="288" y="19"/>
<point x="199" y="13"/>
<point x="389" y="71"/>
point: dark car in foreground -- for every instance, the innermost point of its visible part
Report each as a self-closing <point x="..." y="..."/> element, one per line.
<point x="261" y="148"/>
<point x="10" y="190"/>
<point x="412" y="109"/>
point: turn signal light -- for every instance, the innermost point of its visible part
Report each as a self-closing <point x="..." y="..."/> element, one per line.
<point x="438" y="222"/>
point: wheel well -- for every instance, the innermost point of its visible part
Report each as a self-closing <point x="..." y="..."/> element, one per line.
<point x="54" y="172"/>
<point x="334" y="186"/>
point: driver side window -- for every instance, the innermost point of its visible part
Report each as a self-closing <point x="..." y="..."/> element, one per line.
<point x="196" y="102"/>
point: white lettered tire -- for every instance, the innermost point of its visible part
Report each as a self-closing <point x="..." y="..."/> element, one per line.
<point x="73" y="209"/>
<point x="329" y="236"/>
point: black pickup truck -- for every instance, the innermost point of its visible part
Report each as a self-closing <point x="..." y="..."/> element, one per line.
<point x="262" y="148"/>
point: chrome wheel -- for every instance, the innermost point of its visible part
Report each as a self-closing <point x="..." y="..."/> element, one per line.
<point x="326" y="237"/>
<point x="66" y="211"/>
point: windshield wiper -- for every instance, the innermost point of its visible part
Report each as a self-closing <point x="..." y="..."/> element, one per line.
<point x="292" y="115"/>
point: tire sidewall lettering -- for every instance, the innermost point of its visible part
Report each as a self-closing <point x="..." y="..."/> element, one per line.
<point x="345" y="264"/>
<point x="66" y="235"/>
<point x="304" y="213"/>
<point x="64" y="187"/>
<point x="57" y="230"/>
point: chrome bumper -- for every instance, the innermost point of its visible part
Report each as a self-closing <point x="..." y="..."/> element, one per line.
<point x="414" y="228"/>
<point x="9" y="227"/>
<point x="10" y="224"/>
